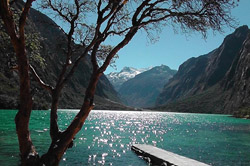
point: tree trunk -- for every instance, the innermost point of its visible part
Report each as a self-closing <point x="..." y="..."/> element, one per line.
<point x="27" y="150"/>
<point x="54" y="129"/>
<point x="65" y="139"/>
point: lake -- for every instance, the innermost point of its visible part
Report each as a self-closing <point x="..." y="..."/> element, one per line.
<point x="107" y="136"/>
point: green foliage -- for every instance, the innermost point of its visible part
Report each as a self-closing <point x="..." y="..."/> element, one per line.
<point x="8" y="57"/>
<point x="5" y="39"/>
<point x="243" y="112"/>
<point x="33" y="44"/>
<point x="34" y="47"/>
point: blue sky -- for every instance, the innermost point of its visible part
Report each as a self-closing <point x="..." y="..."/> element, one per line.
<point x="173" y="49"/>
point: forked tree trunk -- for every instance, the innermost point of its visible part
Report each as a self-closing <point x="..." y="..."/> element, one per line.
<point x="65" y="139"/>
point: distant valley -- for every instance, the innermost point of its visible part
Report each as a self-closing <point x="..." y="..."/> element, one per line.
<point x="217" y="82"/>
<point x="141" y="88"/>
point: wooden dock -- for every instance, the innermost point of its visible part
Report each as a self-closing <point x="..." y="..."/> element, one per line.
<point x="159" y="156"/>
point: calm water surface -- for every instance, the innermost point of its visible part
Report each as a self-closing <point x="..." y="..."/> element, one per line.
<point x="107" y="136"/>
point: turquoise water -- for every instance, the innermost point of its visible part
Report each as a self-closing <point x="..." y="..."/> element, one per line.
<point x="107" y="136"/>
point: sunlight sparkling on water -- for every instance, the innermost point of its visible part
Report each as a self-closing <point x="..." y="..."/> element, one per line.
<point x="107" y="136"/>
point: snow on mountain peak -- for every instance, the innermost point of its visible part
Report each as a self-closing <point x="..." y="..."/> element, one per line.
<point x="118" y="78"/>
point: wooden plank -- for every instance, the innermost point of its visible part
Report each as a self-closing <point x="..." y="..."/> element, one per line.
<point x="163" y="157"/>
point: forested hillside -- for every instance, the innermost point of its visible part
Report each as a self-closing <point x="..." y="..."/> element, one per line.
<point x="46" y="44"/>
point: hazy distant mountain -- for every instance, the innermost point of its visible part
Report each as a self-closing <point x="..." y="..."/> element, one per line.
<point x="142" y="90"/>
<point x="217" y="82"/>
<point x="118" y="78"/>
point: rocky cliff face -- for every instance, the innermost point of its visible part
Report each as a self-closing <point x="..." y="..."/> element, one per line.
<point x="237" y="83"/>
<point x="142" y="90"/>
<point x="46" y="44"/>
<point x="203" y="84"/>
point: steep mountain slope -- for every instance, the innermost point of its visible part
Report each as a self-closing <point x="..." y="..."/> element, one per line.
<point x="46" y="44"/>
<point x="199" y="85"/>
<point x="237" y="83"/>
<point x="142" y="90"/>
<point x="118" y="78"/>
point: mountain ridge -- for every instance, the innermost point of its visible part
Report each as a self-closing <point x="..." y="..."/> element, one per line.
<point x="142" y="90"/>
<point x="201" y="79"/>
<point x="118" y="78"/>
<point x="48" y="42"/>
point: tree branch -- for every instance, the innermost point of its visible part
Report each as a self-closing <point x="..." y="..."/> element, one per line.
<point x="39" y="80"/>
<point x="111" y="19"/>
<point x="114" y="51"/>
<point x="23" y="18"/>
<point x="58" y="11"/>
<point x="137" y="12"/>
<point x="93" y="57"/>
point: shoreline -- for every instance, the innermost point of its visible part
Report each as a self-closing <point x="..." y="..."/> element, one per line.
<point x="247" y="117"/>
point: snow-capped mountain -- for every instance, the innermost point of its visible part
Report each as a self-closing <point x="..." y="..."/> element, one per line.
<point x="143" y="90"/>
<point x="118" y="78"/>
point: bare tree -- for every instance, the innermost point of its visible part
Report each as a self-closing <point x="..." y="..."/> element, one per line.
<point x="112" y="18"/>
<point x="16" y="33"/>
